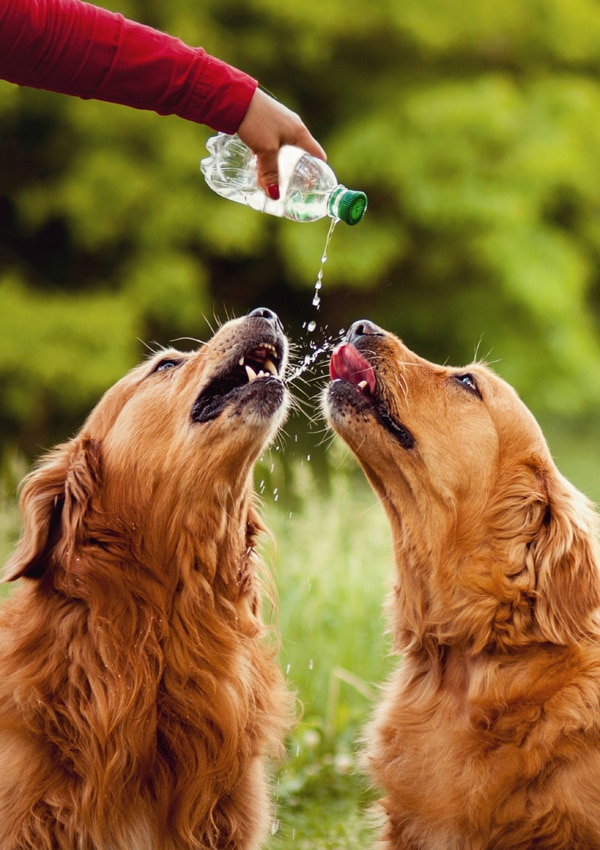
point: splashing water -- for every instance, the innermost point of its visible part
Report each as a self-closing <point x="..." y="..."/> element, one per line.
<point x="327" y="344"/>
<point x="316" y="351"/>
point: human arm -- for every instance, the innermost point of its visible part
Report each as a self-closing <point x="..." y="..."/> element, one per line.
<point x="80" y="49"/>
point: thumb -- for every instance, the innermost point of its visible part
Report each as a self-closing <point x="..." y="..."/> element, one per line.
<point x="268" y="174"/>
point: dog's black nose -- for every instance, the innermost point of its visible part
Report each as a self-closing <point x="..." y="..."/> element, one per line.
<point x="363" y="328"/>
<point x="269" y="315"/>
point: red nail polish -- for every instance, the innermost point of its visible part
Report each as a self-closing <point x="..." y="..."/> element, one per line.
<point x="273" y="191"/>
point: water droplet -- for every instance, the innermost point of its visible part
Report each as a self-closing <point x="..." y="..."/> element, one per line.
<point x="310" y="664"/>
<point x="311" y="326"/>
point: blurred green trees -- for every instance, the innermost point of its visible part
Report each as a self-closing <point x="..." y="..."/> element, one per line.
<point x="474" y="129"/>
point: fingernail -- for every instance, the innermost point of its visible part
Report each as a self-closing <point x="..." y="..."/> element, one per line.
<point x="273" y="191"/>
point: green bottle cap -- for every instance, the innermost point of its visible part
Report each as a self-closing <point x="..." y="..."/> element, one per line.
<point x="348" y="205"/>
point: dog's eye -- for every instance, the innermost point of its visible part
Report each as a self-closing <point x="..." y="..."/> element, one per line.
<point x="165" y="364"/>
<point x="469" y="382"/>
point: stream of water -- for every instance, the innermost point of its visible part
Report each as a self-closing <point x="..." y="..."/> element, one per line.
<point x="316" y="350"/>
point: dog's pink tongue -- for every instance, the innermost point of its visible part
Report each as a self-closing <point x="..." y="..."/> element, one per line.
<point x="347" y="364"/>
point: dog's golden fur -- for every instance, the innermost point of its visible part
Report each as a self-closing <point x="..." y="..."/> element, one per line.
<point x="138" y="695"/>
<point x="487" y="736"/>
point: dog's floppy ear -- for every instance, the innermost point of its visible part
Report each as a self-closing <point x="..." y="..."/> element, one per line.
<point x="566" y="560"/>
<point x="54" y="500"/>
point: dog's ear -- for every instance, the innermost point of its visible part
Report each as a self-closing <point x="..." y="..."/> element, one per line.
<point x="54" y="500"/>
<point x="565" y="559"/>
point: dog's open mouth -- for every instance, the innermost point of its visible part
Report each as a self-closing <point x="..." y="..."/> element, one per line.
<point x="348" y="364"/>
<point x="262" y="362"/>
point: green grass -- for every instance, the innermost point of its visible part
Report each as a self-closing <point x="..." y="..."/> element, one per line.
<point x="333" y="565"/>
<point x="12" y="468"/>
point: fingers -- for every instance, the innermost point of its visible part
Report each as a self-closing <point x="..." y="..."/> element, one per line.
<point x="306" y="141"/>
<point x="268" y="174"/>
<point x="267" y="126"/>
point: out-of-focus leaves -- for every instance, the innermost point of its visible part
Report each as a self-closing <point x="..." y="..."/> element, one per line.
<point x="473" y="128"/>
<point x="69" y="348"/>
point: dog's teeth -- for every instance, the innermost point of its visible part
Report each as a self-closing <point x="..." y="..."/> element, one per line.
<point x="241" y="360"/>
<point x="270" y="367"/>
<point x="362" y="385"/>
<point x="251" y="373"/>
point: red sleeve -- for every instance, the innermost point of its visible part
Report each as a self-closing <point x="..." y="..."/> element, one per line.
<point x="76" y="48"/>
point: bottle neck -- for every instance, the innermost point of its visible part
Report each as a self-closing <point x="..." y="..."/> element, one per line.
<point x="334" y="201"/>
<point x="347" y="204"/>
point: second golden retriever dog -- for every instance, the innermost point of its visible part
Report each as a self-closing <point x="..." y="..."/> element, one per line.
<point x="138" y="696"/>
<point x="487" y="736"/>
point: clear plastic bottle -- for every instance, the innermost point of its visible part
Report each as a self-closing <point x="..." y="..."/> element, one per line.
<point x="309" y="190"/>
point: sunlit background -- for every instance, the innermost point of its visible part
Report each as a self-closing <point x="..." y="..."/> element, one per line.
<point x="474" y="128"/>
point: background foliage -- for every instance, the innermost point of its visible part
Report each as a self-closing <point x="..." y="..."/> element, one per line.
<point x="474" y="128"/>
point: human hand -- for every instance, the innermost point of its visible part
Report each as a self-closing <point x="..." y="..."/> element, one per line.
<point x="267" y="126"/>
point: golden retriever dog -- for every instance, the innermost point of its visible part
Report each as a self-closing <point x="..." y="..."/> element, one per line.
<point x="487" y="736"/>
<point x="139" y="696"/>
